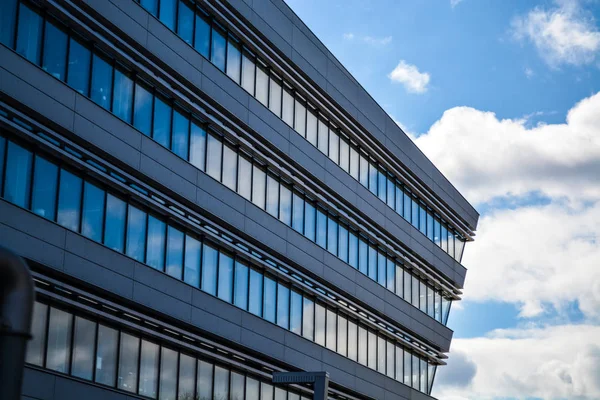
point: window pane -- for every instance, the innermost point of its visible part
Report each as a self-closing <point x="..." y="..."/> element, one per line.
<point x="272" y="196"/>
<point x="214" y="157"/>
<point x="128" y="362"/>
<point x="237" y="386"/>
<point x="44" y="188"/>
<point x="296" y="313"/>
<point x="391" y="360"/>
<point x="55" y="51"/>
<point x="407" y="286"/>
<point x="352" y="341"/>
<point x="323" y="139"/>
<point x="244" y="177"/>
<point x="445" y="309"/>
<point x="308" y="318"/>
<point x="362" y="345"/>
<point x="162" y="122"/>
<point x="258" y="186"/>
<point x="59" y="340"/>
<point x="93" y="212"/>
<point x="168" y="374"/>
<point x="123" y="97"/>
<point x="221" y="383"/>
<point x="83" y="348"/>
<point x="198" y="146"/>
<point x="415" y="292"/>
<point x="191" y="272"/>
<point x="167" y="12"/>
<point x="311" y="127"/>
<point x="334" y="146"/>
<point x="430" y="304"/>
<point x="114" y="232"/>
<point x="354" y="163"/>
<point x="407" y="206"/>
<point x="373" y="179"/>
<point x="415" y="372"/>
<point x="381" y="185"/>
<point x="343" y="243"/>
<point x="187" y="377"/>
<point x="430" y="226"/>
<point x="372" y="263"/>
<point x="391" y="192"/>
<point x="444" y="238"/>
<point x="331" y="332"/>
<point x="205" y="380"/>
<point x="438" y="307"/>
<point x="142" y="115"/>
<point x="69" y="200"/>
<point x="287" y="112"/>
<point x="363" y="257"/>
<point x="202" y="38"/>
<point x="248" y="70"/>
<point x="185" y="23"/>
<point x="364" y="171"/>
<point x="342" y="335"/>
<point x="344" y="155"/>
<point x="300" y="118"/>
<point x="256" y="292"/>
<point x="229" y="167"/>
<point x="262" y="85"/>
<point x="234" y="61"/>
<point x="149" y="369"/>
<point x="217" y="53"/>
<point x="225" y="289"/>
<point x="415" y="213"/>
<point x="266" y="391"/>
<point x="29" y="35"/>
<point x="298" y="214"/>
<point x="174" y="265"/>
<point x="2" y="157"/>
<point x="422" y="219"/>
<point x="275" y="96"/>
<point x="320" y="317"/>
<point x="209" y="269"/>
<point x="353" y="250"/>
<point x="332" y="236"/>
<point x="150" y="5"/>
<point x="381" y="355"/>
<point x="399" y="364"/>
<point x="106" y="355"/>
<point x="372" y="362"/>
<point x="181" y="135"/>
<point x="407" y="368"/>
<point x="37" y="345"/>
<point x="241" y="286"/>
<point x="18" y="175"/>
<point x="399" y="195"/>
<point x="7" y="22"/>
<point x="102" y="74"/>
<point x="269" y="299"/>
<point x="136" y="233"/>
<point x="391" y="275"/>
<point x="285" y="205"/>
<point x="321" y="229"/>
<point x="252" y="389"/>
<point x="309" y="220"/>
<point x="381" y="269"/>
<point x="450" y="244"/>
<point x="280" y="394"/>
<point x="283" y="306"/>
<point x="155" y="249"/>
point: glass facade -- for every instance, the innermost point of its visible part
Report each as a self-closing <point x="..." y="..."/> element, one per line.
<point x="203" y="264"/>
<point x="278" y="95"/>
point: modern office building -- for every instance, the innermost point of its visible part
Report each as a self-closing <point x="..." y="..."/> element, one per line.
<point x="205" y="196"/>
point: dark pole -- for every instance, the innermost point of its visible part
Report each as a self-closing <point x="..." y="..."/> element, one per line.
<point x="16" y="308"/>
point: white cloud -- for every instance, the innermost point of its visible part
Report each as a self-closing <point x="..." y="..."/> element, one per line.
<point x="560" y="362"/>
<point x="454" y="3"/>
<point x="409" y="75"/>
<point x="486" y="157"/>
<point x="564" y="34"/>
<point x="375" y="41"/>
<point x="370" y="40"/>
<point x="529" y="73"/>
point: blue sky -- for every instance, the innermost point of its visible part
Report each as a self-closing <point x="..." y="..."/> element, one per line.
<point x="504" y="97"/>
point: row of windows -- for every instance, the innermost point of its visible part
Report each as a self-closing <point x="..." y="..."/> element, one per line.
<point x="57" y="193"/>
<point x="78" y="346"/>
<point x="247" y="70"/>
<point x="117" y="90"/>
